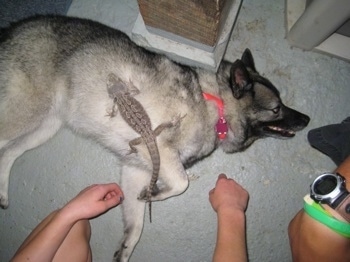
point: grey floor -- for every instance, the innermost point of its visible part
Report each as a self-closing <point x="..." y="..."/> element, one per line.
<point x="277" y="173"/>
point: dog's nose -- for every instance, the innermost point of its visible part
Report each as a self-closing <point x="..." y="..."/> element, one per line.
<point x="305" y="119"/>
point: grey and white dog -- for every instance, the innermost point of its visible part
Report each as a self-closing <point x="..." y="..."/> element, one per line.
<point x="53" y="73"/>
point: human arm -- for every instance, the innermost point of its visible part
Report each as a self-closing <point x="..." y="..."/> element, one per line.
<point x="92" y="201"/>
<point x="229" y="200"/>
<point x="312" y="241"/>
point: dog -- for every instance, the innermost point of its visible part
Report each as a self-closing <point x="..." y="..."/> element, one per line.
<point x="53" y="73"/>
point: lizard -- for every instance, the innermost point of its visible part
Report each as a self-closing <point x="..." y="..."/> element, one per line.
<point x="137" y="118"/>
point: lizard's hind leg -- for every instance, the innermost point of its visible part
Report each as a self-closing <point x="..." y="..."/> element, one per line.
<point x="134" y="143"/>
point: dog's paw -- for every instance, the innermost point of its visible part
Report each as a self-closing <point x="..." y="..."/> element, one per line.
<point x="4" y="201"/>
<point x="144" y="193"/>
<point x="121" y="254"/>
<point x="116" y="257"/>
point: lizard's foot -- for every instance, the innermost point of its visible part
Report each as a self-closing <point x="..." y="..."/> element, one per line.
<point x="177" y="119"/>
<point x="144" y="193"/>
<point x="132" y="151"/>
<point x="111" y="112"/>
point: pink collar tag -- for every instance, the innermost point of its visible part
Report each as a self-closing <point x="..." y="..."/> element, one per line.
<point x="221" y="127"/>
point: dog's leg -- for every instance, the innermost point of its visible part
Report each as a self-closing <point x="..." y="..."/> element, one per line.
<point x="133" y="180"/>
<point x="13" y="149"/>
<point x="173" y="179"/>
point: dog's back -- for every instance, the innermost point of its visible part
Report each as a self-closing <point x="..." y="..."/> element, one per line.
<point x="31" y="55"/>
<point x="54" y="70"/>
<point x="37" y="57"/>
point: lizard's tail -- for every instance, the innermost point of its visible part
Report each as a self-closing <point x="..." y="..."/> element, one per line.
<point x="153" y="150"/>
<point x="150" y="190"/>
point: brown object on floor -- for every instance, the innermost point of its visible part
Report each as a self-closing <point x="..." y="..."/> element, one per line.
<point x="197" y="20"/>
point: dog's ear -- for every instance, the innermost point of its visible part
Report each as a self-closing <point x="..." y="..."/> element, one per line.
<point x="248" y="60"/>
<point x="240" y="81"/>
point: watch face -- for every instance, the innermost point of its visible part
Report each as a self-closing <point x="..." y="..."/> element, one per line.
<point x="325" y="185"/>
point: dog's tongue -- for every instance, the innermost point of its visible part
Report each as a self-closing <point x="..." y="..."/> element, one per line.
<point x="281" y="131"/>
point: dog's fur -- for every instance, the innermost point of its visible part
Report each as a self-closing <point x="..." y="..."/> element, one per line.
<point x="53" y="73"/>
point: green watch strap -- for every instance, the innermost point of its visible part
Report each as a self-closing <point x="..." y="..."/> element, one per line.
<point x="318" y="213"/>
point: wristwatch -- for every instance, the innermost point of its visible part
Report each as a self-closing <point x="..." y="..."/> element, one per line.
<point x="330" y="189"/>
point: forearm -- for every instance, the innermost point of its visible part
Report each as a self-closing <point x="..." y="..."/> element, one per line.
<point x="47" y="238"/>
<point x="310" y="240"/>
<point x="231" y="237"/>
<point x="44" y="245"/>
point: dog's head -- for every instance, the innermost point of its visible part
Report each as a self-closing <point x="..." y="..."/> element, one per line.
<point x="262" y="113"/>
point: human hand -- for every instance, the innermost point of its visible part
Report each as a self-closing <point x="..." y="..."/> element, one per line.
<point x="228" y="195"/>
<point x="93" y="201"/>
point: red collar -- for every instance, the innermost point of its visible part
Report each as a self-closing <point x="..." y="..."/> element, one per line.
<point x="221" y="127"/>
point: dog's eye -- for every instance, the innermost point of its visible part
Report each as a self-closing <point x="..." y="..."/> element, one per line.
<point x="276" y="110"/>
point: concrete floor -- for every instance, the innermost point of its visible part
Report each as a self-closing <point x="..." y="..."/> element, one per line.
<point x="277" y="173"/>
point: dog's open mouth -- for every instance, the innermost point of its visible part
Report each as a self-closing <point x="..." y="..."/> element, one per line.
<point x="278" y="131"/>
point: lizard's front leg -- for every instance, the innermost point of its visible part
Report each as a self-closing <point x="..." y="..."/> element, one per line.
<point x="112" y="112"/>
<point x="173" y="123"/>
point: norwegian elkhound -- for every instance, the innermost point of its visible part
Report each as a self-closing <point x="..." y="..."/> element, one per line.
<point x="53" y="73"/>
